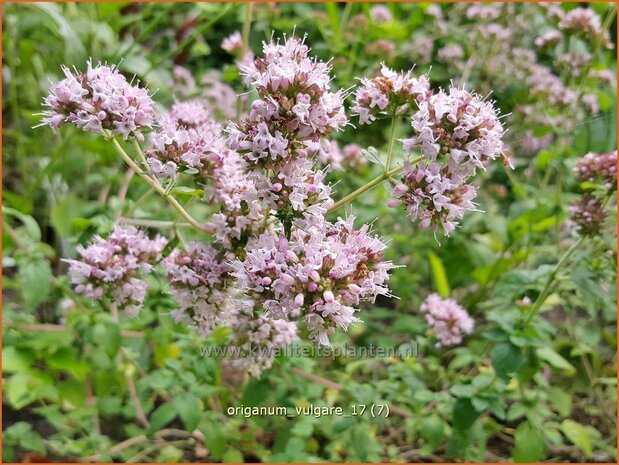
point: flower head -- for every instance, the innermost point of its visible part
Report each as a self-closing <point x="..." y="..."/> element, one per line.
<point x="116" y="265"/>
<point x="457" y="128"/>
<point x="549" y="39"/>
<point x="321" y="274"/>
<point x="341" y="158"/>
<point x="219" y="97"/>
<point x="241" y="213"/>
<point x="480" y="11"/>
<point x="587" y="22"/>
<point x="99" y="99"/>
<point x="295" y="190"/>
<point x="192" y="114"/>
<point x="257" y="340"/>
<point x="199" y="279"/>
<point x="295" y="104"/>
<point x="435" y="196"/>
<point x="381" y="14"/>
<point x="233" y="43"/>
<point x="449" y="320"/>
<point x="175" y="146"/>
<point x="598" y="167"/>
<point x="389" y="93"/>
<point x="588" y="214"/>
<point x="452" y="53"/>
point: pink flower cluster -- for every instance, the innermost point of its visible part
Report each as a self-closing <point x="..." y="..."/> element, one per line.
<point x="295" y="191"/>
<point x="587" y="22"/>
<point x="241" y="214"/>
<point x="588" y="215"/>
<point x="544" y="84"/>
<point x="457" y="128"/>
<point x="320" y="275"/>
<point x="549" y="39"/>
<point x="221" y="98"/>
<point x="448" y="319"/>
<point x="389" y="93"/>
<point x="233" y="43"/>
<point x="256" y="341"/>
<point x="381" y="48"/>
<point x="451" y="54"/>
<point x="456" y="132"/>
<point x="434" y="195"/>
<point x="594" y="167"/>
<point x="199" y="279"/>
<point x="178" y="145"/>
<point x="99" y="99"/>
<point x="116" y="265"/>
<point x="295" y="105"/>
<point x="480" y="11"/>
<point x="192" y="114"/>
<point x="381" y="14"/>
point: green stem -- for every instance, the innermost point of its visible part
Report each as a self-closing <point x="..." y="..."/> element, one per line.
<point x="180" y="237"/>
<point x="14" y="99"/>
<point x="244" y="50"/>
<point x="562" y="261"/>
<point x="394" y="123"/>
<point x="17" y="238"/>
<point x="158" y="224"/>
<point x="551" y="278"/>
<point x="155" y="185"/>
<point x="373" y="183"/>
<point x="138" y="149"/>
<point x="345" y="17"/>
<point x="247" y="27"/>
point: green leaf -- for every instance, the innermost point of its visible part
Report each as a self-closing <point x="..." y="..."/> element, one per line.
<point x="22" y="435"/>
<point x="22" y="389"/>
<point x="577" y="434"/>
<point x="68" y="360"/>
<point x="189" y="409"/>
<point x="529" y="444"/>
<point x="16" y="360"/>
<point x="432" y="430"/>
<point x="256" y="392"/>
<point x="372" y="155"/>
<point x="439" y="276"/>
<point x="170" y="454"/>
<point x="36" y="278"/>
<point x="458" y="442"/>
<point x="464" y="414"/>
<point x="555" y="360"/>
<point x="62" y="215"/>
<point x="506" y="358"/>
<point x="529" y="367"/>
<point x="183" y="190"/>
<point x="214" y="438"/>
<point x="332" y="14"/>
<point x="32" y="227"/>
<point x="233" y="456"/>
<point x="513" y="283"/>
<point x="107" y="336"/>
<point x="561" y="400"/>
<point x="163" y="415"/>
